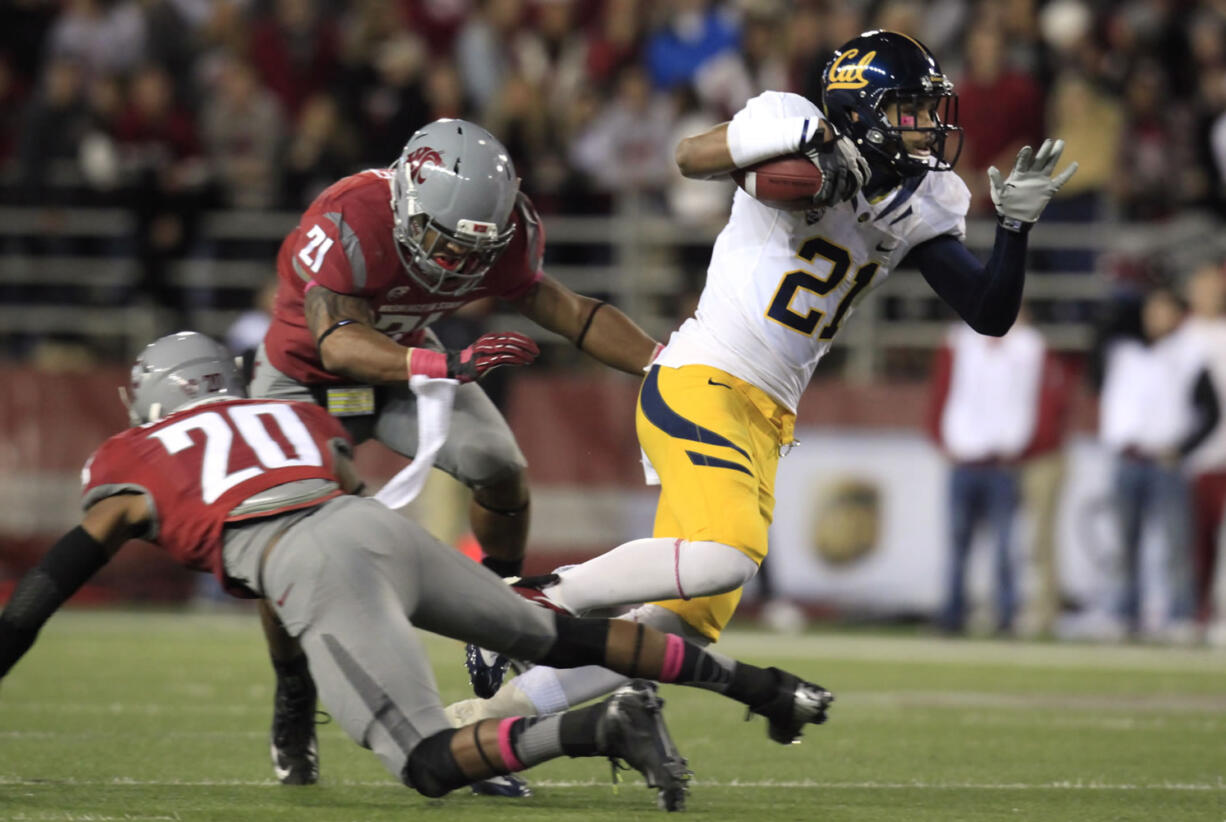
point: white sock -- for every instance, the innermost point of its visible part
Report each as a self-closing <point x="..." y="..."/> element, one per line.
<point x="552" y="690"/>
<point x="647" y="570"/>
<point x="509" y="701"/>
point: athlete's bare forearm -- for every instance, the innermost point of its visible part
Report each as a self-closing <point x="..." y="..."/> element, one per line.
<point x="349" y="345"/>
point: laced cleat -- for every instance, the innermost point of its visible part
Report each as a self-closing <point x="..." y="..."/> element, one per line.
<point x="486" y="670"/>
<point x="797" y="703"/>
<point x="293" y="746"/>
<point x="633" y="730"/>
<point x="508" y="785"/>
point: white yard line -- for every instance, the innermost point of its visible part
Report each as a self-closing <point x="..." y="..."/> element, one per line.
<point x="805" y="784"/>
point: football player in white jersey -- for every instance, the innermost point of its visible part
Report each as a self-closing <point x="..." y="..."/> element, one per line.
<point x="718" y="403"/>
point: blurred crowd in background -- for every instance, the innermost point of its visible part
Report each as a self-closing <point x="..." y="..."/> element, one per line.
<point x="258" y="104"/>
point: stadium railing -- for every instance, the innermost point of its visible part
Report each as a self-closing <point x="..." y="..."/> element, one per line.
<point x="71" y="272"/>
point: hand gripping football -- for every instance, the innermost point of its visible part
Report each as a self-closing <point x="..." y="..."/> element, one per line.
<point x="789" y="182"/>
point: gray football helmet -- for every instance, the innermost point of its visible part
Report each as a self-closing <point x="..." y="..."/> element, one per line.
<point x="453" y="190"/>
<point x="175" y="370"/>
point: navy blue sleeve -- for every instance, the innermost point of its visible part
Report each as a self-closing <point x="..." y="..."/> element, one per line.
<point x="986" y="297"/>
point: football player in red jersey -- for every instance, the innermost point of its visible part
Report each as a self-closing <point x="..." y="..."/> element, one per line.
<point x="256" y="492"/>
<point x="375" y="260"/>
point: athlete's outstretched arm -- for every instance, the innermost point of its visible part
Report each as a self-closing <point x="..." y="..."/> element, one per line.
<point x="988" y="297"/>
<point x="594" y="326"/>
<point x="75" y="558"/>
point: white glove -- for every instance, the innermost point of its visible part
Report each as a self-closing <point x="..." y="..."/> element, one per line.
<point x="1023" y="196"/>
<point x="844" y="169"/>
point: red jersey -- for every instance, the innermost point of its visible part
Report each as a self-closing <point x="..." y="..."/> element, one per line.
<point x="198" y="464"/>
<point x="344" y="242"/>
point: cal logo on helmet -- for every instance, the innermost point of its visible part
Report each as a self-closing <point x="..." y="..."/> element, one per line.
<point x="848" y="75"/>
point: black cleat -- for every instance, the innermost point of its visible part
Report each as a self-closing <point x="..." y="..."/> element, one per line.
<point x="486" y="670"/>
<point x="797" y="703"/>
<point x="506" y="785"/>
<point x="633" y="730"/>
<point x="295" y="751"/>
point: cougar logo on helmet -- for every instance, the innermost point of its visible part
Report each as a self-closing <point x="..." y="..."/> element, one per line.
<point x="418" y="158"/>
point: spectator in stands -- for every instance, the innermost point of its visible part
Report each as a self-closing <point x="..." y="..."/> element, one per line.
<point x="551" y="56"/>
<point x="444" y="88"/>
<point x="322" y="149"/>
<point x="103" y="36"/>
<point x="160" y="148"/>
<point x="626" y="147"/>
<point x="1207" y="324"/>
<point x="999" y="109"/>
<point x="1094" y="124"/>
<point x="55" y="122"/>
<point x="614" y="41"/>
<point x="296" y="50"/>
<point x="484" y="49"/>
<point x="1157" y="406"/>
<point x="244" y="131"/>
<point x="393" y="102"/>
<point x="985" y="402"/>
<point x="1153" y="177"/>
<point x="694" y="32"/>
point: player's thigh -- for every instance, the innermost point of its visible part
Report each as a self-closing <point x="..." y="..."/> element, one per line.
<point x="715" y="457"/>
<point x="464" y="600"/>
<point x="480" y="449"/>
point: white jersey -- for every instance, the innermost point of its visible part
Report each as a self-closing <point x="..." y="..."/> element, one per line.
<point x="782" y="283"/>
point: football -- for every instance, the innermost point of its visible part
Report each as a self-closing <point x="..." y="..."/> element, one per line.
<point x="787" y="182"/>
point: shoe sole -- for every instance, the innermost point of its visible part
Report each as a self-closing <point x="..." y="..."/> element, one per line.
<point x="809" y="704"/>
<point x="670" y="773"/>
<point x="292" y="775"/>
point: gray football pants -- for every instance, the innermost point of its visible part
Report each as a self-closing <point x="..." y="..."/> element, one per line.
<point x="480" y="449"/>
<point x="353" y="581"/>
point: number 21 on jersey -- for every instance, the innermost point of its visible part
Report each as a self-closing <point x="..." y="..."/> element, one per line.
<point x="801" y="280"/>
<point x="312" y="254"/>
<point x="219" y="428"/>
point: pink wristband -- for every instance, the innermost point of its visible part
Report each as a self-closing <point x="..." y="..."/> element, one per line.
<point x="427" y="363"/>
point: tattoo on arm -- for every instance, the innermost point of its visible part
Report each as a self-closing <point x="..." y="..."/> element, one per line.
<point x="324" y="307"/>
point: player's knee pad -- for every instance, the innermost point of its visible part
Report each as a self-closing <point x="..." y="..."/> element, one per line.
<point x="431" y="769"/>
<point x="579" y="642"/>
<point x="488" y="459"/>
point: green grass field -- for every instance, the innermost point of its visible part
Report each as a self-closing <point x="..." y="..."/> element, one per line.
<point x="161" y="716"/>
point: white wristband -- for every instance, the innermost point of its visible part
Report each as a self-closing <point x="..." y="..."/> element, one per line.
<point x="752" y="141"/>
